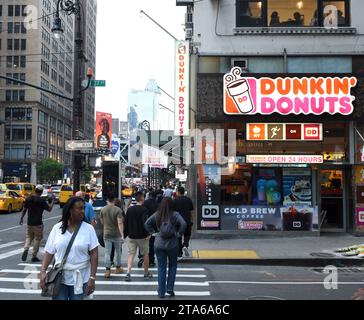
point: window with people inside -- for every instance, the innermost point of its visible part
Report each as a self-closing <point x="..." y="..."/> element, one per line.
<point x="292" y="13"/>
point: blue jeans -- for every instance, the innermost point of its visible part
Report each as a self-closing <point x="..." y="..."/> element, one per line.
<point x="108" y="246"/>
<point x="67" y="293"/>
<point x="162" y="256"/>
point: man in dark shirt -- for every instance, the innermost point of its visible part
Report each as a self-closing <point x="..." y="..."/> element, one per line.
<point x="138" y="237"/>
<point x="184" y="206"/>
<point x="152" y="206"/>
<point x="35" y="206"/>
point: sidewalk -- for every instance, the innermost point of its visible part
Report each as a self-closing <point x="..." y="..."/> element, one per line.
<point x="297" y="251"/>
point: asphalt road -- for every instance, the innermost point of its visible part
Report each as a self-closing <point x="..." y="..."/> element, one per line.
<point x="18" y="280"/>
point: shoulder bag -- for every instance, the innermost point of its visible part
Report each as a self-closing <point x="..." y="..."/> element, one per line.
<point x="54" y="276"/>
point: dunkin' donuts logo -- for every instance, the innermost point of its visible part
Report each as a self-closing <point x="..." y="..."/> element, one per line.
<point x="246" y="95"/>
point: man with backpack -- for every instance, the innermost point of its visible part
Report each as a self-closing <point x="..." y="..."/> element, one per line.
<point x="138" y="237"/>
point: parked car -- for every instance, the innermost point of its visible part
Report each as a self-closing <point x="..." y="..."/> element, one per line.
<point x="11" y="201"/>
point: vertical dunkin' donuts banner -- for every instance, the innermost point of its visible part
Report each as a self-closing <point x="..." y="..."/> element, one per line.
<point x="103" y="130"/>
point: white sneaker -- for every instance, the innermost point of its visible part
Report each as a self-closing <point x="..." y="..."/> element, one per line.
<point x="185" y="252"/>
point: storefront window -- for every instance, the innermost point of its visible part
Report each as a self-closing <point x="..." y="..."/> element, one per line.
<point x="249" y="13"/>
<point x="335" y="12"/>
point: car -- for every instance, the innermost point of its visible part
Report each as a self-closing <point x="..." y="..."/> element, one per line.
<point x="65" y="193"/>
<point x="11" y="201"/>
<point x="55" y="190"/>
<point x="3" y="187"/>
<point x="22" y="189"/>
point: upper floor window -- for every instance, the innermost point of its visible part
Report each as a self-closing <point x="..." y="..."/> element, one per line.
<point x="293" y="13"/>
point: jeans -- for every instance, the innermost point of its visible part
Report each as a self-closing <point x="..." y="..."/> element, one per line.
<point x="108" y="248"/>
<point x="67" y="293"/>
<point x="162" y="256"/>
<point x="34" y="233"/>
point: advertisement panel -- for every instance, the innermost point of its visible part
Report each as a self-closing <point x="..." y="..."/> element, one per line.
<point x="115" y="147"/>
<point x="314" y="95"/>
<point x="154" y="157"/>
<point x="209" y="195"/>
<point x="266" y="186"/>
<point x="182" y="86"/>
<point x="285" y="159"/>
<point x="297" y="186"/>
<point x="103" y="130"/>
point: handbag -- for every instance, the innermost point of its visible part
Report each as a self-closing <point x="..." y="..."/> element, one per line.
<point x="54" y="276"/>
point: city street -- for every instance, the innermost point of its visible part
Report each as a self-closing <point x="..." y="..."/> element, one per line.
<point x="18" y="281"/>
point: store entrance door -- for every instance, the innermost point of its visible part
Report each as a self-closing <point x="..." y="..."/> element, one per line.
<point x="332" y="200"/>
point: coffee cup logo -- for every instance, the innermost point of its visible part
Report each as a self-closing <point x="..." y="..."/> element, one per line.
<point x="239" y="90"/>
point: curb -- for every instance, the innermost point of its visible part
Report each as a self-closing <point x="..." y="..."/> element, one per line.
<point x="294" y="262"/>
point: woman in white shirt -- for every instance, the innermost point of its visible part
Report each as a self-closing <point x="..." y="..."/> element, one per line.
<point x="79" y="273"/>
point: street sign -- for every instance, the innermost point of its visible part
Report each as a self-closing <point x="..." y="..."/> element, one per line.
<point x="72" y="145"/>
<point x="94" y="83"/>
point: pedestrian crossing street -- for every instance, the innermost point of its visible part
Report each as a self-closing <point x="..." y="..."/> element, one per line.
<point x="22" y="282"/>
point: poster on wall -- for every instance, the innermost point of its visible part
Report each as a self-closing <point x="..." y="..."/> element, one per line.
<point x="267" y="187"/>
<point x="299" y="218"/>
<point x="209" y="189"/>
<point x="297" y="186"/>
<point x="115" y="147"/>
<point x="262" y="218"/>
<point x="103" y="130"/>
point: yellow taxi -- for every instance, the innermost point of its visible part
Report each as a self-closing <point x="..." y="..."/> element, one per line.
<point x="3" y="187"/>
<point x="127" y="191"/>
<point x="10" y="201"/>
<point x="21" y="188"/>
<point x="65" y="193"/>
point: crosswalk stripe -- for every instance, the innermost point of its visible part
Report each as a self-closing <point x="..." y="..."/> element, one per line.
<point x="133" y="269"/>
<point x="9" y="244"/>
<point x="122" y="283"/>
<point x="114" y="293"/>
<point x="101" y="274"/>
<point x="10" y="253"/>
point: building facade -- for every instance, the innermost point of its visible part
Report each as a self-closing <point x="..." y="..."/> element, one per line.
<point x="37" y="123"/>
<point x="298" y="162"/>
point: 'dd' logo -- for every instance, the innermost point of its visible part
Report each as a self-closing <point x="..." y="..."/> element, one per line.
<point x="237" y="95"/>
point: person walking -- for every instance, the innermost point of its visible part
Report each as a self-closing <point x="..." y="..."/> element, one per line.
<point x="169" y="225"/>
<point x="35" y="206"/>
<point x="120" y="204"/>
<point x="79" y="271"/>
<point x="168" y="192"/>
<point x="152" y="206"/>
<point x="111" y="217"/>
<point x="89" y="210"/>
<point x="184" y="206"/>
<point x="138" y="237"/>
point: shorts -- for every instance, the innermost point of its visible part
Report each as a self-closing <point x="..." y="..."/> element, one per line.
<point x="142" y="244"/>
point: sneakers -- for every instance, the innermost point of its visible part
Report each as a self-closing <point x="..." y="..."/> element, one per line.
<point x="35" y="259"/>
<point x="152" y="265"/>
<point x="185" y="251"/>
<point x="148" y="276"/>
<point x="127" y="277"/>
<point x="24" y="255"/>
<point x="119" y="270"/>
<point x="170" y="293"/>
<point x="107" y="274"/>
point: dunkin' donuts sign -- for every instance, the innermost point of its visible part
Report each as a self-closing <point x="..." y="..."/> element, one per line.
<point x="246" y="95"/>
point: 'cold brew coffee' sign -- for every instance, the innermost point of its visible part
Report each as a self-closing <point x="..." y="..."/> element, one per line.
<point x="248" y="96"/>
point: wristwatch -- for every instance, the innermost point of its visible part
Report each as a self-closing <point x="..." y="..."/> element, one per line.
<point x="93" y="278"/>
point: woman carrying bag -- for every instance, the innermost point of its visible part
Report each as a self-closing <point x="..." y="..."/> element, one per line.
<point x="79" y="269"/>
<point x="169" y="226"/>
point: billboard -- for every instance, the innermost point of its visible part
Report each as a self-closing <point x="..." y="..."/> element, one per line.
<point x="314" y="95"/>
<point x="103" y="130"/>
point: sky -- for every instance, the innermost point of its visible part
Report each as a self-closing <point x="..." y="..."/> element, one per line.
<point x="131" y="49"/>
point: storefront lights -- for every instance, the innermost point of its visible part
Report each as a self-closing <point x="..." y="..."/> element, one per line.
<point x="299" y="5"/>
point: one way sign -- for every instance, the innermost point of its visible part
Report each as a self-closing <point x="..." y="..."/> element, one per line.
<point x="72" y="145"/>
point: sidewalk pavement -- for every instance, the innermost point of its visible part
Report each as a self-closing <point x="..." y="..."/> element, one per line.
<point x="293" y="251"/>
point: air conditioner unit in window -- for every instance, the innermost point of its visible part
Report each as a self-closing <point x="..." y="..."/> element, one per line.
<point x="240" y="62"/>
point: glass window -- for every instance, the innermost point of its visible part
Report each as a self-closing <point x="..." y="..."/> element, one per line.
<point x="335" y="13"/>
<point x="18" y="133"/>
<point x="29" y="133"/>
<point x="292" y="13"/>
<point x="7" y="133"/>
<point x="29" y="114"/>
<point x="7" y="114"/>
<point x="249" y="13"/>
<point x="19" y="114"/>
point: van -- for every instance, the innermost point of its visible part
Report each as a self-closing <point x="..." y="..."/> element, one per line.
<point x="65" y="193"/>
<point x="22" y="189"/>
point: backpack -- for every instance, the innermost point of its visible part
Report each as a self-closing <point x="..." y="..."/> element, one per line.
<point x="167" y="229"/>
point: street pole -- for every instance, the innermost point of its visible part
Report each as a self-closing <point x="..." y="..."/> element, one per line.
<point x="78" y="73"/>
